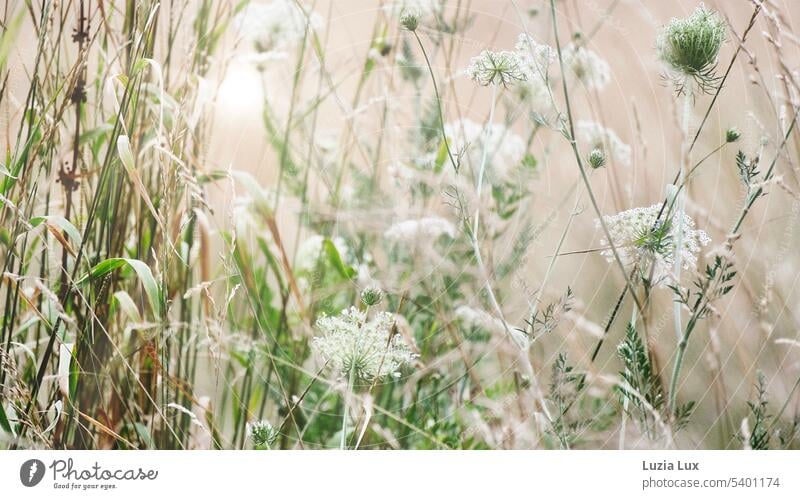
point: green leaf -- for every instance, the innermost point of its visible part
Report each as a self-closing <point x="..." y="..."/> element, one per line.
<point x="4" y="420"/>
<point x="4" y="171"/>
<point x="144" y="434"/>
<point x="60" y="222"/>
<point x="125" y="303"/>
<point x="144" y="273"/>
<point x="336" y="260"/>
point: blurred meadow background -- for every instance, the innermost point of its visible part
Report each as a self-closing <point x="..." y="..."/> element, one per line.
<point x="412" y="224"/>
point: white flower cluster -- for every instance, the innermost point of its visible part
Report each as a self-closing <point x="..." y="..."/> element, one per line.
<point x="535" y="60"/>
<point x="630" y="230"/>
<point x="534" y="57"/>
<point x="596" y="136"/>
<point x="412" y="230"/>
<point x="366" y="349"/>
<point x="496" y="68"/>
<point x="277" y="25"/>
<point x="588" y="67"/>
<point x="506" y="149"/>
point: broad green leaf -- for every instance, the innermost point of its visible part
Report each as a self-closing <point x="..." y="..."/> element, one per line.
<point x="144" y="434"/>
<point x="144" y="273"/>
<point x="336" y="260"/>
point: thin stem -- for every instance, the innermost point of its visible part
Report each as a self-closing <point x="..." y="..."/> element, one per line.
<point x="343" y="441"/>
<point x="582" y="169"/>
<point x="482" y="169"/>
<point x="681" y="200"/>
<point x="438" y="102"/>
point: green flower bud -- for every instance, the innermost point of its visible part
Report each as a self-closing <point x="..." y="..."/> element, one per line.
<point x="596" y="159"/>
<point x="732" y="135"/>
<point x="371" y="296"/>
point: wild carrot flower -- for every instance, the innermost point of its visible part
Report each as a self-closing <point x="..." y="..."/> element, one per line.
<point x="596" y="136"/>
<point x="262" y="433"/>
<point x="535" y="59"/>
<point x="365" y="349"/>
<point x="274" y="26"/>
<point x="410" y="231"/>
<point x="690" y="47"/>
<point x="642" y="239"/>
<point x="496" y="68"/>
<point x="588" y="67"/>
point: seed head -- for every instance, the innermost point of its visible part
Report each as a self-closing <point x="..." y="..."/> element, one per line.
<point x="690" y="47"/>
<point x="732" y="135"/>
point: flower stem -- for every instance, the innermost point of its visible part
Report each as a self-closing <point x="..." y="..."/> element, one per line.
<point x="681" y="193"/>
<point x="343" y="440"/>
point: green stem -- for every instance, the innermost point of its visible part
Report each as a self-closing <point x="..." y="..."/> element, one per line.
<point x="438" y="103"/>
<point x="343" y="440"/>
<point x="582" y="169"/>
<point x="681" y="193"/>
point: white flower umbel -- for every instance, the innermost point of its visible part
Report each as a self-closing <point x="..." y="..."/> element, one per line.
<point x="365" y="349"/>
<point x="360" y="349"/>
<point x="596" y="136"/>
<point x="276" y="25"/>
<point x="535" y="59"/>
<point x="645" y="241"/>
<point x="505" y="148"/>
<point x="412" y="230"/>
<point x="496" y="68"/>
<point x="588" y="67"/>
